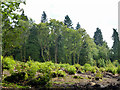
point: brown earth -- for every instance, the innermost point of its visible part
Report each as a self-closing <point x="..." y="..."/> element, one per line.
<point x="109" y="81"/>
<point x="86" y="81"/>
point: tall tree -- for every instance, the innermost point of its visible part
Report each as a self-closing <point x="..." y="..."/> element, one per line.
<point x="32" y="45"/>
<point x="44" y="17"/>
<point x="98" y="38"/>
<point x="10" y="25"/>
<point x="44" y="40"/>
<point x="56" y="29"/>
<point x="68" y="22"/>
<point x="115" y="46"/>
<point x="78" y="26"/>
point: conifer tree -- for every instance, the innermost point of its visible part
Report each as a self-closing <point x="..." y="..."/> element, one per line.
<point x="67" y="21"/>
<point x="78" y="26"/>
<point x="44" y="17"/>
<point x="98" y="38"/>
<point x="115" y="46"/>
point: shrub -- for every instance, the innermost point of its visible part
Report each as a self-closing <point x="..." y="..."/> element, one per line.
<point x="31" y="69"/>
<point x="17" y="77"/>
<point x="50" y="64"/>
<point x="93" y="69"/>
<point x="43" y="68"/>
<point x="118" y="69"/>
<point x="101" y="63"/>
<point x="98" y="76"/>
<point x="108" y="63"/>
<point x="71" y="70"/>
<point x="8" y="63"/>
<point x="61" y="73"/>
<point x="53" y="74"/>
<point x="116" y="63"/>
<point x="102" y="69"/>
<point x="42" y="80"/>
<point x="63" y="65"/>
<point x="77" y="66"/>
<point x="111" y="68"/>
<point x="87" y="67"/>
<point x="92" y="62"/>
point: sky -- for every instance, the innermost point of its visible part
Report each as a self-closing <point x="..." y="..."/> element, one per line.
<point x="89" y="13"/>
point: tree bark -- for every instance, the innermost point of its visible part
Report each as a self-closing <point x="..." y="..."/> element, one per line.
<point x="56" y="51"/>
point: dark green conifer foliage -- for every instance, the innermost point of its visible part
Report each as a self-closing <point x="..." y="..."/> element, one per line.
<point x="115" y="46"/>
<point x="33" y="47"/>
<point x="67" y="21"/>
<point x="98" y="38"/>
<point x="78" y="26"/>
<point x="44" y="17"/>
<point x="119" y="51"/>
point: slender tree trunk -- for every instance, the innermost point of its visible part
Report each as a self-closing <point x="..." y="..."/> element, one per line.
<point x="78" y="59"/>
<point x="56" y="51"/>
<point x="74" y="58"/>
<point x="70" y="60"/>
<point x="24" y="53"/>
<point x="48" y="54"/>
<point x="21" y="54"/>
<point x="42" y="53"/>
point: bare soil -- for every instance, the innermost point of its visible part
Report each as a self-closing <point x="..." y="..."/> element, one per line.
<point x="86" y="82"/>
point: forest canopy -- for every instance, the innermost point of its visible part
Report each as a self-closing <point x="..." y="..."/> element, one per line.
<point x="52" y="40"/>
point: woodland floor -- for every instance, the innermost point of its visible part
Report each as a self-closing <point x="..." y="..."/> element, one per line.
<point x="87" y="82"/>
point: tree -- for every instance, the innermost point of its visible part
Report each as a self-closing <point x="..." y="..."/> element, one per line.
<point x="115" y="46"/>
<point x="78" y="26"/>
<point x="44" y="17"/>
<point x="10" y="25"/>
<point x="32" y="45"/>
<point x="44" y="40"/>
<point x="67" y="21"/>
<point x="56" y="29"/>
<point x="98" y="38"/>
<point x="103" y="51"/>
<point x="89" y="51"/>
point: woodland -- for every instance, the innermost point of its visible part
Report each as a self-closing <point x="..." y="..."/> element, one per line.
<point x="54" y="54"/>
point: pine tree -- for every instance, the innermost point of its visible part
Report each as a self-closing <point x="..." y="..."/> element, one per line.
<point x="44" y="17"/>
<point x="67" y="21"/>
<point x="78" y="26"/>
<point x="115" y="46"/>
<point x="98" y="38"/>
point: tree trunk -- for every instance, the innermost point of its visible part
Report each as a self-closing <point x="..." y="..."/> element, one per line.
<point x="56" y="51"/>
<point x="73" y="58"/>
<point x="24" y="53"/>
<point x="78" y="59"/>
<point x="42" y="53"/>
<point x="21" y="54"/>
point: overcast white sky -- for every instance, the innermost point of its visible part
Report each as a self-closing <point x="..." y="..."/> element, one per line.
<point x="89" y="13"/>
